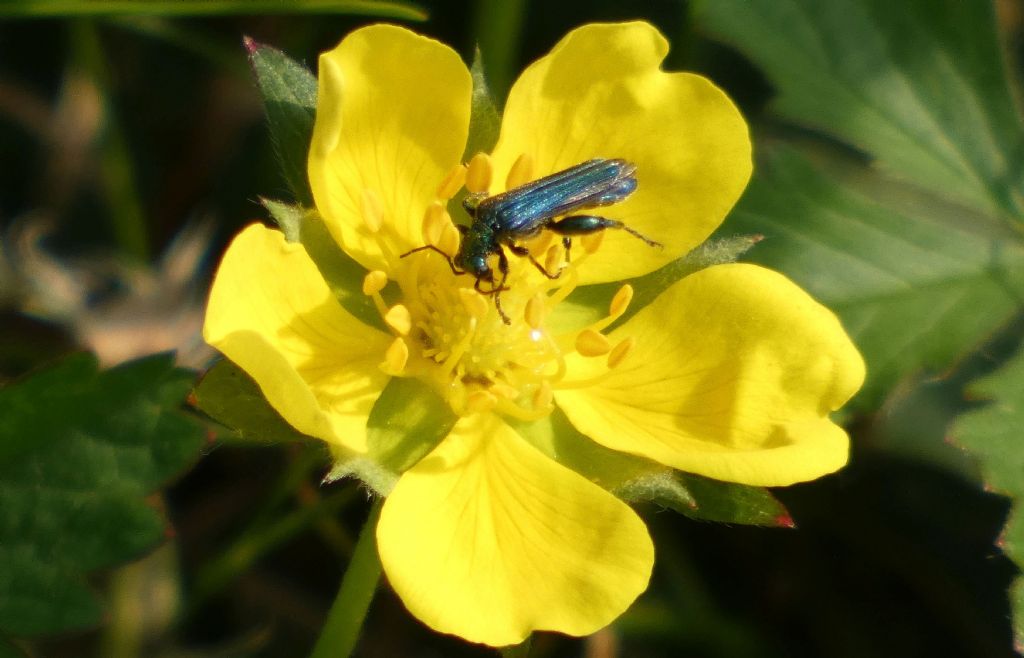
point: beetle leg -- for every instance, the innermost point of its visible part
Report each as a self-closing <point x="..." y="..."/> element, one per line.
<point x="567" y="243"/>
<point x="451" y="263"/>
<point x="585" y="224"/>
<point x="519" y="250"/>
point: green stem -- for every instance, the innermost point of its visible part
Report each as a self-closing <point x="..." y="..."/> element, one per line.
<point x="347" y="613"/>
<point x="116" y="165"/>
<point x="257" y="542"/>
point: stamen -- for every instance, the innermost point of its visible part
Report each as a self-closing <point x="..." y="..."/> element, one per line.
<point x="452" y="183"/>
<point x="592" y="242"/>
<point x="481" y="401"/>
<point x="395" y="357"/>
<point x="373" y="212"/>
<point x="504" y="391"/>
<point x="553" y="259"/>
<point x="374" y="282"/>
<point x="449" y="240"/>
<point x="592" y="343"/>
<point x="521" y="172"/>
<point x="478" y="177"/>
<point x="399" y="318"/>
<point x="541" y="243"/>
<point x="620" y="302"/>
<point x="535" y="311"/>
<point x="474" y="302"/>
<point x="620" y="352"/>
<point x="434" y="220"/>
<point x="543" y="396"/>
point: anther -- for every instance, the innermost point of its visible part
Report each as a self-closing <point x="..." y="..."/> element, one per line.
<point x="591" y="242"/>
<point x="592" y="343"/>
<point x="621" y="351"/>
<point x="373" y="213"/>
<point x="374" y="282"/>
<point x="478" y="177"/>
<point x="521" y="172"/>
<point x="620" y="302"/>
<point x="474" y="302"/>
<point x="434" y="220"/>
<point x="449" y="240"/>
<point x="481" y="401"/>
<point x="543" y="396"/>
<point x="452" y="183"/>
<point x="502" y="390"/>
<point x="395" y="357"/>
<point x="535" y="311"/>
<point x="553" y="259"/>
<point x="399" y="319"/>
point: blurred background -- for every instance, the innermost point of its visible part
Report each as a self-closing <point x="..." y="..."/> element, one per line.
<point x="133" y="146"/>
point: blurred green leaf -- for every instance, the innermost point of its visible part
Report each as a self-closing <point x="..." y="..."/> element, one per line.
<point x="918" y="84"/>
<point x="229" y="396"/>
<point x="916" y="287"/>
<point x="993" y="434"/>
<point x="81" y="451"/>
<point x="289" y="97"/>
<point x="62" y="8"/>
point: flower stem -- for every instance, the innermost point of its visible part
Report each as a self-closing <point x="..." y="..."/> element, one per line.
<point x="345" y="618"/>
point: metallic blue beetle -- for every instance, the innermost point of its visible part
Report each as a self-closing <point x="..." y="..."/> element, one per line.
<point x="521" y="213"/>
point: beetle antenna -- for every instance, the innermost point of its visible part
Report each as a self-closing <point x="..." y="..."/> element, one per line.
<point x="430" y="247"/>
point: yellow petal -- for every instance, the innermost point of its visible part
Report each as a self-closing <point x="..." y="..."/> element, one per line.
<point x="489" y="539"/>
<point x="272" y="314"/>
<point x="392" y="119"/>
<point x="600" y="94"/>
<point x="733" y="375"/>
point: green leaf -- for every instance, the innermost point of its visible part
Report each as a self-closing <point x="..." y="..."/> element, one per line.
<point x="82" y="450"/>
<point x="918" y="84"/>
<point x="289" y="96"/>
<point x="484" y="119"/>
<point x="993" y="434"/>
<point x="229" y="396"/>
<point x="916" y="284"/>
<point x="65" y="8"/>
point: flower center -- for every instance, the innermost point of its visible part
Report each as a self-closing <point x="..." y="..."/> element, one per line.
<point x="456" y="339"/>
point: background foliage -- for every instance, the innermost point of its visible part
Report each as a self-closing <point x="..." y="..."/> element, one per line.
<point x="889" y="183"/>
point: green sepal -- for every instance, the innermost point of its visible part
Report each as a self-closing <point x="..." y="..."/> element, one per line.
<point x="343" y="275"/>
<point x="289" y="93"/>
<point x="992" y="434"/>
<point x="587" y="304"/>
<point x="638" y="480"/>
<point x="484" y="118"/>
<point x="228" y="395"/>
<point x="407" y="421"/>
<point x="379" y="479"/>
<point x="83" y="451"/>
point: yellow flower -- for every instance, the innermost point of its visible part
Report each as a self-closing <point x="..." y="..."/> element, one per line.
<point x="730" y="372"/>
